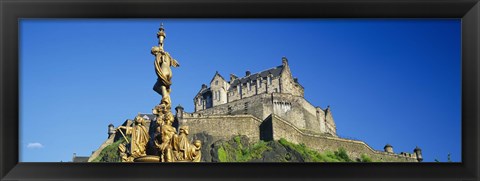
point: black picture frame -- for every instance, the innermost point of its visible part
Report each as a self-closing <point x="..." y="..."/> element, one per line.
<point x="11" y="11"/>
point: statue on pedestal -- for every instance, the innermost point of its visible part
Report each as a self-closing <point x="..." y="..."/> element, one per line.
<point x="163" y="62"/>
<point x="171" y="147"/>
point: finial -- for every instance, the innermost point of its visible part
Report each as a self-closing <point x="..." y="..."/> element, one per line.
<point x="161" y="35"/>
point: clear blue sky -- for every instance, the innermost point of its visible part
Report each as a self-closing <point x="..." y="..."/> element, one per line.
<point x="387" y="80"/>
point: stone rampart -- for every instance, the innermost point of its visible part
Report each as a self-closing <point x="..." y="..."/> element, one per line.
<point x="293" y="108"/>
<point x="223" y="126"/>
<point x="280" y="128"/>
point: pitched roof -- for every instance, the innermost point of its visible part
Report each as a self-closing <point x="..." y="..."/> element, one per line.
<point x="150" y="116"/>
<point x="216" y="73"/>
<point x="275" y="71"/>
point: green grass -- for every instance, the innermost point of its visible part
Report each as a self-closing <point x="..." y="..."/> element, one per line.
<point x="365" y="158"/>
<point x="235" y="151"/>
<point x="310" y="155"/>
<point x="110" y="153"/>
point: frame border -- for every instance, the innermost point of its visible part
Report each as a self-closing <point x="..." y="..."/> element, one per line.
<point x="12" y="11"/>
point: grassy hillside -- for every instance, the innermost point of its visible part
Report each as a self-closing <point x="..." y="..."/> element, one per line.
<point x="240" y="149"/>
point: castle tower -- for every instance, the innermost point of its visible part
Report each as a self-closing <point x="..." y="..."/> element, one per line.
<point x="219" y="87"/>
<point x="418" y="153"/>
<point x="388" y="148"/>
<point x="111" y="130"/>
<point x="179" y="112"/>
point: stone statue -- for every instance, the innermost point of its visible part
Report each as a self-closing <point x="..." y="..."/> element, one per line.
<point x="163" y="62"/>
<point x="139" y="138"/>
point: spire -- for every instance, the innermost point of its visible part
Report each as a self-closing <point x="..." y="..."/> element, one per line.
<point x="161" y="35"/>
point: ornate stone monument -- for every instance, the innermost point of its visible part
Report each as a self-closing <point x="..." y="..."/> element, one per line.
<point x="171" y="145"/>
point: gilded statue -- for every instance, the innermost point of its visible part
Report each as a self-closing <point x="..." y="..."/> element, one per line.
<point x="163" y="62"/>
<point x="139" y="138"/>
<point x="169" y="146"/>
<point x="184" y="150"/>
<point x="168" y="137"/>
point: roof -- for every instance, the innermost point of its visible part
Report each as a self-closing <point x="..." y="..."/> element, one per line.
<point x="216" y="73"/>
<point x="150" y="116"/>
<point x="275" y="72"/>
<point x="204" y="90"/>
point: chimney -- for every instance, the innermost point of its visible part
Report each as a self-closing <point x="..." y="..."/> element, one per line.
<point x="284" y="61"/>
<point x="204" y="86"/>
<point x="247" y="73"/>
<point x="232" y="77"/>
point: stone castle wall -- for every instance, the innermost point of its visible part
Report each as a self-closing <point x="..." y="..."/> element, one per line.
<point x="287" y="106"/>
<point x="222" y="127"/>
<point x="276" y="128"/>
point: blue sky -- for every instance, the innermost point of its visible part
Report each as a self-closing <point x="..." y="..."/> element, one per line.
<point x="395" y="81"/>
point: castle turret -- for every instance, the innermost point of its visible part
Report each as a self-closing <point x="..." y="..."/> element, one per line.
<point x="418" y="153"/>
<point x="179" y="111"/>
<point x="111" y="130"/>
<point x="388" y="148"/>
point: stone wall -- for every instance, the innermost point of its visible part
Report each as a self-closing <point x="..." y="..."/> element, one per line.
<point x="287" y="84"/>
<point x="287" y="106"/>
<point x="222" y="126"/>
<point x="283" y="129"/>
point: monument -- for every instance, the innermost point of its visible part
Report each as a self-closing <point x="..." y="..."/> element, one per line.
<point x="255" y="118"/>
<point x="170" y="144"/>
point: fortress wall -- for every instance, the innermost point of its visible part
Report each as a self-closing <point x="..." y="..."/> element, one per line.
<point x="251" y="105"/>
<point x="322" y="143"/>
<point x="289" y="107"/>
<point x="300" y="112"/>
<point x="224" y="126"/>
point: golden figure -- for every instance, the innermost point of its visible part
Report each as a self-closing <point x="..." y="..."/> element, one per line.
<point x="168" y="137"/>
<point x="163" y="62"/>
<point x="170" y="147"/>
<point x="139" y="137"/>
<point x="185" y="150"/>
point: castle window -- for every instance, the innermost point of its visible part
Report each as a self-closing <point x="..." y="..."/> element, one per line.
<point x="269" y="80"/>
<point x="218" y="95"/>
<point x="249" y="86"/>
<point x="245" y="108"/>
<point x="239" y="90"/>
<point x="216" y="82"/>
<point x="259" y="83"/>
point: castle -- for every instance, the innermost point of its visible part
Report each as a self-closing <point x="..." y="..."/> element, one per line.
<point x="248" y="95"/>
<point x="270" y="105"/>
